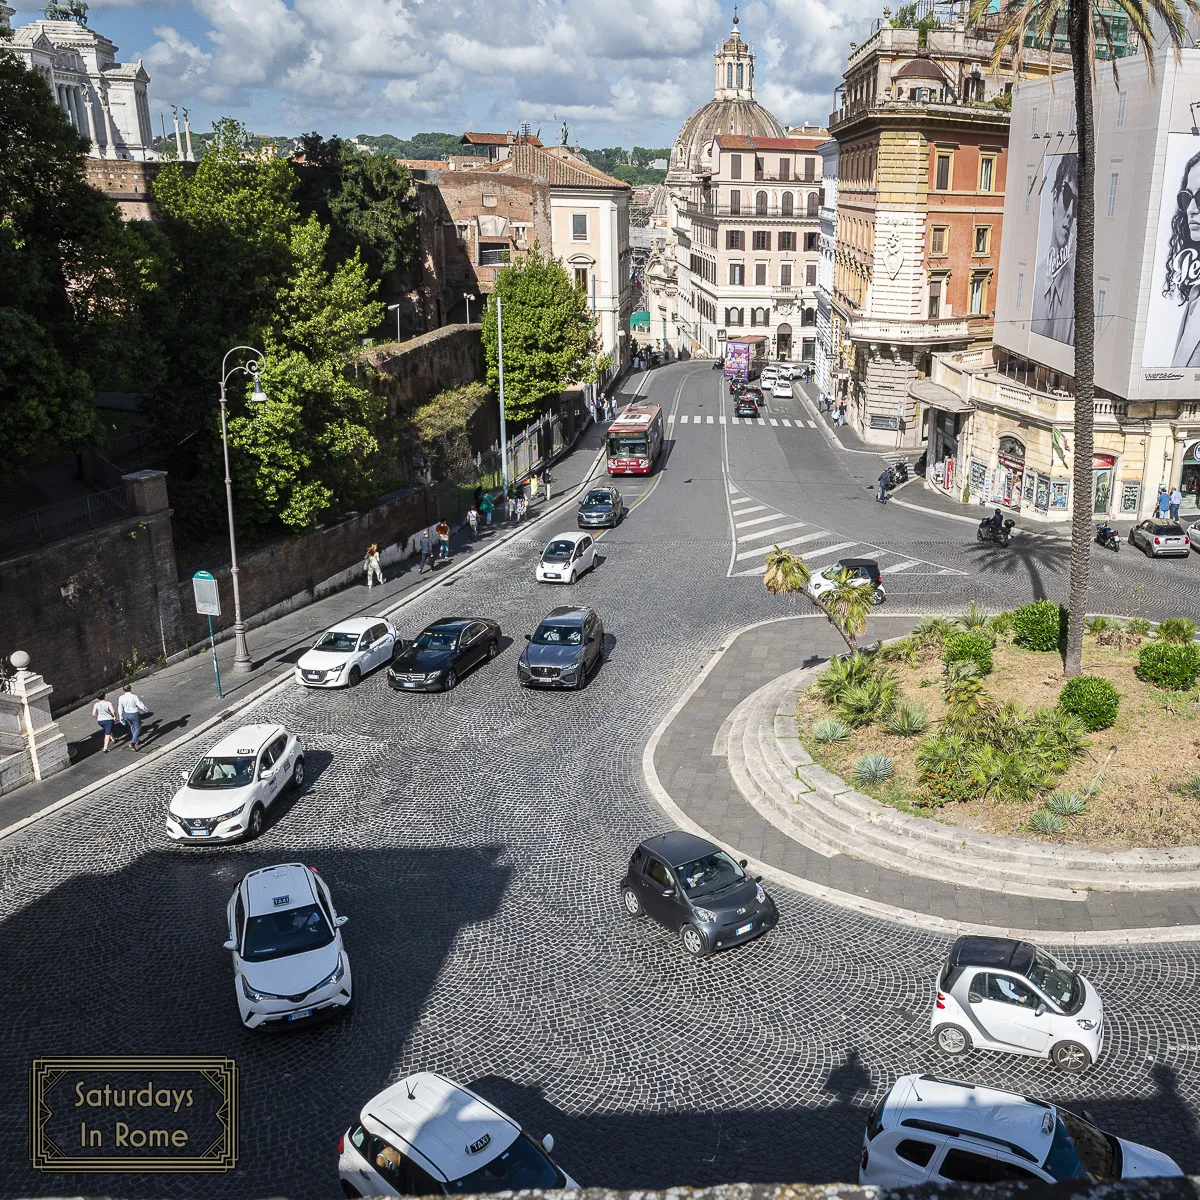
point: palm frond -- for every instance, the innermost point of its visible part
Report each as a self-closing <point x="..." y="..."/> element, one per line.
<point x="786" y="573"/>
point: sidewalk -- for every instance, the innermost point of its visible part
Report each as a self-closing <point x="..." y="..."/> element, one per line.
<point x="182" y="697"/>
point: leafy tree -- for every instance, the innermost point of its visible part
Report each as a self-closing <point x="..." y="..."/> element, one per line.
<point x="1022" y="21"/>
<point x="549" y="334"/>
<point x="846" y="607"/>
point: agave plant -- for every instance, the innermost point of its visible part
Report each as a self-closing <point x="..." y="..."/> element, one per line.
<point x="1045" y="822"/>
<point x="829" y="730"/>
<point x="873" y="769"/>
<point x="1066" y="804"/>
<point x="907" y="719"/>
<point x="974" y="618"/>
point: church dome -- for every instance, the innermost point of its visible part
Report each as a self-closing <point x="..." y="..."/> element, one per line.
<point x="732" y="110"/>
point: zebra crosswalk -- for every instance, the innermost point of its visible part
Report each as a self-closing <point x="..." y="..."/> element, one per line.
<point x="722" y="419"/>
<point x="757" y="528"/>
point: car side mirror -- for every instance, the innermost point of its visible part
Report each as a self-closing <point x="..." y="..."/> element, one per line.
<point x="340" y="921"/>
<point x="758" y="879"/>
<point x="974" y="998"/>
<point x="548" y="1142"/>
<point x="743" y="863"/>
<point x="529" y="637"/>
<point x="231" y="944"/>
<point x="266" y="773"/>
<point x="184" y="776"/>
<point x="668" y="891"/>
<point x="1040" y="1011"/>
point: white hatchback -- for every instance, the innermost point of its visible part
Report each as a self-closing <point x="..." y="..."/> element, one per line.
<point x="342" y="655"/>
<point x="567" y="557"/>
<point x="225" y="796"/>
<point x="427" y="1136"/>
<point x="782" y="389"/>
<point x="285" y="936"/>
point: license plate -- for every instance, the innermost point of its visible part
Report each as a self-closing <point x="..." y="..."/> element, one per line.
<point x="551" y="574"/>
<point x="407" y="683"/>
<point x="311" y="675"/>
<point x="199" y="832"/>
<point x="743" y="929"/>
<point x="297" y="1016"/>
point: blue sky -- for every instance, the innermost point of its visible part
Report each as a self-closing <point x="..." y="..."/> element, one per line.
<point x="619" y="72"/>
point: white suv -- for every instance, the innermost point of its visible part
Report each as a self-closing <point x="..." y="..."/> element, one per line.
<point x="1000" y="994"/>
<point x="427" y="1136"/>
<point x="927" y="1129"/>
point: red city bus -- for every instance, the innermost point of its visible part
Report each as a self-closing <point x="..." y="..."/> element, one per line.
<point x="635" y="440"/>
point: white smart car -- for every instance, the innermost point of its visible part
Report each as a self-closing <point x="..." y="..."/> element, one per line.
<point x="225" y="796"/>
<point x="1001" y="994"/>
<point x="427" y="1136"/>
<point x="567" y="557"/>
<point x="341" y="656"/>
<point x="285" y="936"/>
<point x="930" y="1130"/>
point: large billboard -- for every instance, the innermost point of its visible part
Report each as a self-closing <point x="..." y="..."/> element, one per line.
<point x="1173" y="319"/>
<point x="737" y="360"/>
<point x="1054" y="281"/>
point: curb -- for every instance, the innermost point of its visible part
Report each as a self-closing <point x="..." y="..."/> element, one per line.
<point x="925" y="922"/>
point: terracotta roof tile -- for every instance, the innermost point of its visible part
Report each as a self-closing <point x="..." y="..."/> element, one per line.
<point x="729" y="141"/>
<point x="527" y="159"/>
<point x="495" y="139"/>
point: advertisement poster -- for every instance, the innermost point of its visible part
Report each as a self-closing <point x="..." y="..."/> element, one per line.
<point x="1173" y="319"/>
<point x="1054" y="281"/>
<point x="737" y="360"/>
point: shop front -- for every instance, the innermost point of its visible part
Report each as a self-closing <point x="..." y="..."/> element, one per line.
<point x="1009" y="485"/>
<point x="1189" y="480"/>
<point x="946" y="417"/>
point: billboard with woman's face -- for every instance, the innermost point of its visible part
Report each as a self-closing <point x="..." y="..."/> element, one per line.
<point x="1173" y="320"/>
<point x="1054" y="281"/>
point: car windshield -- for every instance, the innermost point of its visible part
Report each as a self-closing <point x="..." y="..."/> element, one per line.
<point x="558" y="635"/>
<point x="559" y="549"/>
<point x="1056" y="980"/>
<point x="523" y="1165"/>
<point x="234" y="771"/>
<point x="337" y="641"/>
<point x="436" y="639"/>
<point x="603" y="499"/>
<point x="1081" y="1151"/>
<point x="709" y="874"/>
<point x="290" y="931"/>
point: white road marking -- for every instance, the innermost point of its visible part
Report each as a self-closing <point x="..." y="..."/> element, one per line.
<point x="741" y="512"/>
<point x="734" y="489"/>
<point x="809" y="424"/>
<point x="786" y="422"/>
<point x="908" y="564"/>
<point x="722" y="418"/>
<point x="769" y="533"/>
<point x="710" y="420"/>
<point x="773" y="421"/>
<point x="756" y="521"/>
<point x="796" y="541"/>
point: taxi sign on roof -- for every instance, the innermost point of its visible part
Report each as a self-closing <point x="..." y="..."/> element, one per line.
<point x="280" y="901"/>
<point x="479" y="1144"/>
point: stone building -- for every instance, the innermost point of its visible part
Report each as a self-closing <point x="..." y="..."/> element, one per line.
<point x="830" y="323"/>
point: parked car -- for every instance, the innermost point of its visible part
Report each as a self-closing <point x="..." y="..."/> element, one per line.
<point x="225" y="796"/>
<point x="697" y="891"/>
<point x="285" y="937"/>
<point x="865" y="572"/>
<point x="1193" y="532"/>
<point x="566" y="557"/>
<point x="744" y="406"/>
<point x="601" y="506"/>
<point x="1158" y="538"/>
<point x="927" y="1129"/>
<point x="341" y="656"/>
<point x="427" y="1136"/>
<point x="1000" y="994"/>
<point x="563" y="650"/>
<point x="442" y="653"/>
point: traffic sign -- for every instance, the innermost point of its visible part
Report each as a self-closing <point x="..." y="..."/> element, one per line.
<point x="721" y="335"/>
<point x="208" y="598"/>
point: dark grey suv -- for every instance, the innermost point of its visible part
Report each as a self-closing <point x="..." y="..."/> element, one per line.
<point x="695" y="889"/>
<point x="601" y="506"/>
<point x="567" y="644"/>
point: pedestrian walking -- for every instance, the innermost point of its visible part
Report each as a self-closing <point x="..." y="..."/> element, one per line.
<point x="547" y="480"/>
<point x="105" y="715"/>
<point x="522" y="504"/>
<point x="486" y="504"/>
<point x="510" y="503"/>
<point x="841" y="413"/>
<point x="533" y="488"/>
<point x="426" y="552"/>
<point x="373" y="565"/>
<point x="1176" y="501"/>
<point x="443" y="532"/>
<point x="473" y="522"/>
<point x="129" y="712"/>
<point x="881" y="490"/>
<point x="1164" y="501"/>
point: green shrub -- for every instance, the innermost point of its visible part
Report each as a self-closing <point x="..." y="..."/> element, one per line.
<point x="907" y="719"/>
<point x="1139" y="627"/>
<point x="1190" y="788"/>
<point x="1045" y="821"/>
<point x="975" y="646"/>
<point x="1038" y="626"/>
<point x="868" y="701"/>
<point x="873" y="768"/>
<point x="842" y="672"/>
<point x="830" y="730"/>
<point x="974" y="618"/>
<point x="1173" y="668"/>
<point x="1100" y="624"/>
<point x="1093" y="700"/>
<point x="906" y="650"/>
<point x="1001" y="624"/>
<point x="946" y="784"/>
<point x="935" y="631"/>
<point x="1178" y="630"/>
<point x="1066" y="804"/>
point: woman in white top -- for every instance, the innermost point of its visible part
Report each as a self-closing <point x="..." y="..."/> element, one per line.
<point x="105" y="715"/>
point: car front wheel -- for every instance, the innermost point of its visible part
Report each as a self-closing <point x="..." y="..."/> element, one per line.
<point x="255" y="827"/>
<point x="952" y="1040"/>
<point x="355" y="677"/>
<point x="633" y="906"/>
<point x="1070" y="1057"/>
<point x="493" y="648"/>
<point x="451" y="680"/>
<point x="693" y="941"/>
<point x="298" y="774"/>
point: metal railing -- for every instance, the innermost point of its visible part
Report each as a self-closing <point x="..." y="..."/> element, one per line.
<point x="62" y="520"/>
<point x="799" y="211"/>
<point x="493" y="258"/>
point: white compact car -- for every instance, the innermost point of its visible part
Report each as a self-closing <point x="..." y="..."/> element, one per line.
<point x="341" y="656"/>
<point x="1000" y="994"/>
<point x="426" y="1136"/>
<point x="934" y="1130"/>
<point x="782" y="389"/>
<point x="567" y="557"/>
<point x="289" y="964"/>
<point x="226" y="794"/>
<point x="864" y="572"/>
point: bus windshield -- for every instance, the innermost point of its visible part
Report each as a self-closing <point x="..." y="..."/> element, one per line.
<point x="624" y="446"/>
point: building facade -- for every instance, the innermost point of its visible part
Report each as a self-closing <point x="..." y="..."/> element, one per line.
<point x="826" y="364"/>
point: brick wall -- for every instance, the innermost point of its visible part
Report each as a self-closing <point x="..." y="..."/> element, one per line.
<point x="129" y="183"/>
<point x="413" y="372"/>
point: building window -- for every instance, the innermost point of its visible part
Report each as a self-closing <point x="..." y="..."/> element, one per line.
<point x="760" y="204"/>
<point x="785" y="168"/>
<point x="760" y="274"/>
<point x="978" y="295"/>
<point x="941" y="181"/>
<point x="462" y="231"/>
<point x="787" y="239"/>
<point x="1020" y="287"/>
<point x="814" y="203"/>
<point x="810" y="170"/>
<point x="935" y="299"/>
<point x="785" y="275"/>
<point x="735" y="239"/>
<point x="1033" y="122"/>
<point x="983" y="239"/>
<point x="939" y="236"/>
<point x="1101" y="299"/>
<point x="733" y="317"/>
<point x="810" y="275"/>
<point x="729" y="75"/>
<point x="1028" y="190"/>
<point x="987" y="172"/>
<point x="785" y="204"/>
<point x="811" y="242"/>
<point x="735" y="166"/>
<point x="581" y="279"/>
<point x="735" y="204"/>
<point x="739" y="74"/>
<point x="1114" y="181"/>
<point x="1121" y="109"/>
<point x="762" y="239"/>
<point x="737" y="274"/>
<point x="579" y="230"/>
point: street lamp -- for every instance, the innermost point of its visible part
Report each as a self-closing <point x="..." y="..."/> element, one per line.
<point x="396" y="309"/>
<point x="468" y="297"/>
<point x="500" y="368"/>
<point x="252" y="367"/>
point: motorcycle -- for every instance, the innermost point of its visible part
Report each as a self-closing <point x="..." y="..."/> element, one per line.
<point x="987" y="532"/>
<point x="719" y="364"/>
<point x="1108" y="537"/>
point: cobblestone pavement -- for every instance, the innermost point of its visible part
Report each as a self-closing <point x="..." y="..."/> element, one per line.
<point x="475" y="841"/>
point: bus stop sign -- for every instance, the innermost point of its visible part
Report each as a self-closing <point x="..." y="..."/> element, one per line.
<point x="208" y="598"/>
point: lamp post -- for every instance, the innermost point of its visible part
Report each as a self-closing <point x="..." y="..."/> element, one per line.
<point x="252" y="367"/>
<point x="396" y="309"/>
<point x="500" y="367"/>
<point x="468" y="297"/>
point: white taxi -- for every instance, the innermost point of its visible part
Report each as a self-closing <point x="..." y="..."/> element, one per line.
<point x="427" y="1136"/>
<point x="225" y="796"/>
<point x="289" y="964"/>
<point x="341" y="656"/>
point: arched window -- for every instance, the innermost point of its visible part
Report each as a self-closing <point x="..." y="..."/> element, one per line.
<point x="754" y="318"/>
<point x="809" y="317"/>
<point x="813" y="202"/>
<point x="760" y="204"/>
<point x="729" y="75"/>
<point x="786" y="204"/>
<point x="739" y="67"/>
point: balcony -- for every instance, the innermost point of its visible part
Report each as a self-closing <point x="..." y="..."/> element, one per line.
<point x="975" y="111"/>
<point x="943" y="329"/>
<point x="493" y="258"/>
<point x="747" y="213"/>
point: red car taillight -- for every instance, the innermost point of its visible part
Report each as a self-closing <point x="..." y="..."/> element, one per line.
<point x="1157" y="541"/>
<point x="341" y="1143"/>
<point x="941" y="1001"/>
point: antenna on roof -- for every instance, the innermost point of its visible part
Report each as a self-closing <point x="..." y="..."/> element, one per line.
<point x="408" y="1087"/>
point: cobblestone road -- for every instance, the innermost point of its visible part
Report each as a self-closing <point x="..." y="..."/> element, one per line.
<point x="475" y="841"/>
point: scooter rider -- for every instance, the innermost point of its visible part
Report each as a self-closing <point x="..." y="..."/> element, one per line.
<point x="997" y="521"/>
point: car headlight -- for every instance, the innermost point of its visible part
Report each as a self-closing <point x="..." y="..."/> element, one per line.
<point x="705" y="914"/>
<point x="1084" y="1023"/>
<point x="759" y="894"/>
<point x="333" y="975"/>
<point x="237" y="812"/>
<point x="252" y="995"/>
<point x="432" y="675"/>
<point x="176" y="818"/>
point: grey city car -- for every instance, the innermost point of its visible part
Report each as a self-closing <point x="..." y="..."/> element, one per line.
<point x="563" y="650"/>
<point x="696" y="890"/>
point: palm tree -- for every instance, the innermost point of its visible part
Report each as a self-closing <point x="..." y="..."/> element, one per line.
<point x="846" y="607"/>
<point x="1040" y="20"/>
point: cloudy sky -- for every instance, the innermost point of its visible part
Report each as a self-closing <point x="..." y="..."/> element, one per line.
<point x="619" y="72"/>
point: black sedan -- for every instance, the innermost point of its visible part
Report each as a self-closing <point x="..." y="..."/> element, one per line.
<point x="442" y="653"/>
<point x="567" y="644"/>
<point x="744" y="406"/>
<point x="601" y="506"/>
<point x="697" y="891"/>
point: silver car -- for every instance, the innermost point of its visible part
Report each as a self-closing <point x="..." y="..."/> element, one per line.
<point x="1158" y="538"/>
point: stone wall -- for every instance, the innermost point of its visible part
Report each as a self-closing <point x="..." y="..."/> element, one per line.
<point x="412" y="372"/>
<point x="130" y="184"/>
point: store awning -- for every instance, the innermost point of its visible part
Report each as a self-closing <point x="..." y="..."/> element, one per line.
<point x="934" y="395"/>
